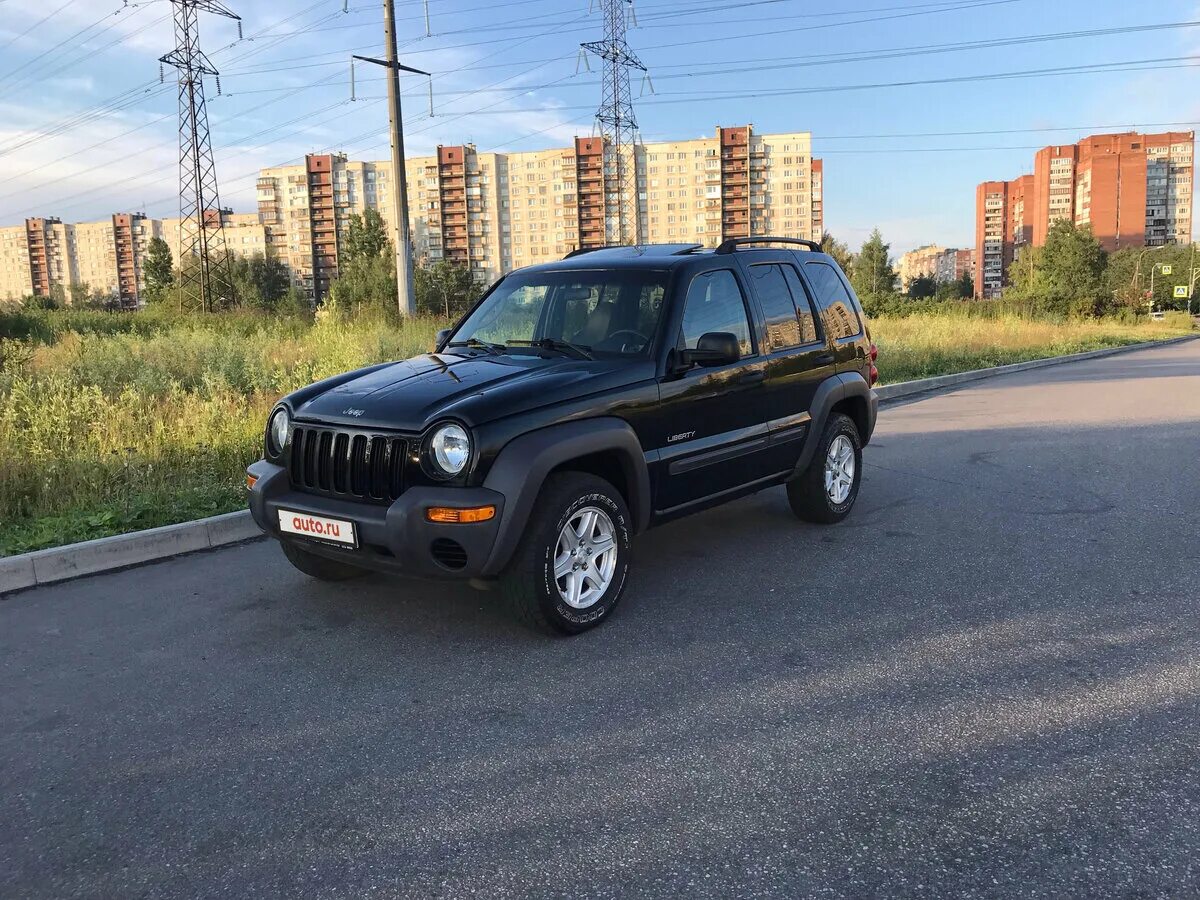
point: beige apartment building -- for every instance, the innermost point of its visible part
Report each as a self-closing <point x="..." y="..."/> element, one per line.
<point x="494" y="212"/>
<point x="46" y="256"/>
<point x="942" y="264"/>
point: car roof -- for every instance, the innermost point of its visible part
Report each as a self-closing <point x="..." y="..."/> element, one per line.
<point x="652" y="256"/>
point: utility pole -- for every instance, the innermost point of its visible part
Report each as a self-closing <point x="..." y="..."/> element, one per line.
<point x="404" y="276"/>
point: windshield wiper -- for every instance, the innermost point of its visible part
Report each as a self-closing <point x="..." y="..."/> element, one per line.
<point x="579" y="351"/>
<point x="478" y="344"/>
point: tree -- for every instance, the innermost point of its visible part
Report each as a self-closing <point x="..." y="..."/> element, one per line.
<point x="260" y="282"/>
<point x="873" y="274"/>
<point x="966" y="286"/>
<point x="1065" y="275"/>
<point x="158" y="269"/>
<point x="366" y="238"/>
<point x="922" y="287"/>
<point x="444" y="289"/>
<point x="840" y="252"/>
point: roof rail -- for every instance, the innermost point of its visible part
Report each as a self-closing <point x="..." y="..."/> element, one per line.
<point x="731" y="244"/>
<point x="580" y="251"/>
<point x="690" y="248"/>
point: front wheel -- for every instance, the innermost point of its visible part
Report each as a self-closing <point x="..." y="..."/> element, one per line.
<point x="569" y="571"/>
<point x="825" y="491"/>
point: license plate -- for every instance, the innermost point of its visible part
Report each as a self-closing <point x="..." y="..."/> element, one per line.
<point x="319" y="528"/>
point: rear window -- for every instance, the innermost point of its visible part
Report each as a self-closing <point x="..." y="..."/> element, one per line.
<point x="841" y="318"/>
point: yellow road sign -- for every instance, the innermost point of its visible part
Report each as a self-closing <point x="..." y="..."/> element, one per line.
<point x="1166" y="270"/>
<point x="1181" y="292"/>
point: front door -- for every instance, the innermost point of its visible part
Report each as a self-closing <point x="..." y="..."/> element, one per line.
<point x="714" y="419"/>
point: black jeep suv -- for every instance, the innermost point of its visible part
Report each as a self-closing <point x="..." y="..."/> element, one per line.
<point x="578" y="403"/>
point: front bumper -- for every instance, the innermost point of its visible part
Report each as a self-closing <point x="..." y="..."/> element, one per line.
<point x="397" y="539"/>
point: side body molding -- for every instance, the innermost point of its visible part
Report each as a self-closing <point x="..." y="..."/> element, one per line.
<point x="522" y="466"/>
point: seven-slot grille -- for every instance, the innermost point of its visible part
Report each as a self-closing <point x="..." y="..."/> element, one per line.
<point x="334" y="461"/>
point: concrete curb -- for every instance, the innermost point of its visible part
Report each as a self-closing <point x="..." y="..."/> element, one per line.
<point x="106" y="554"/>
<point x="925" y="385"/>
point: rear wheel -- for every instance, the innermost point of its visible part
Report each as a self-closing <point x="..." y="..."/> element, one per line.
<point x="568" y="573"/>
<point x="825" y="491"/>
<point x="318" y="566"/>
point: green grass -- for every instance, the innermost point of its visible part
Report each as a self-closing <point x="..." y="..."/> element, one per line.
<point x="928" y="344"/>
<point x="113" y="422"/>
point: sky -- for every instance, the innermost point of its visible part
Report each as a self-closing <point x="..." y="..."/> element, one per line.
<point x="910" y="104"/>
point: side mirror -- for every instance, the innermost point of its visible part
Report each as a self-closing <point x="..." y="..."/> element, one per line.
<point x="715" y="348"/>
<point x="442" y="336"/>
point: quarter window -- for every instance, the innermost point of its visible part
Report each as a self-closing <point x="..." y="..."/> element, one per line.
<point x="840" y="316"/>
<point x="715" y="303"/>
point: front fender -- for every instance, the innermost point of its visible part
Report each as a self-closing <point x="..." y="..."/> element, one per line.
<point x="522" y="465"/>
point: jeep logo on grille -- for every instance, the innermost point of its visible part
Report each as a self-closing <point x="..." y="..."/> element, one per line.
<point x="351" y="411"/>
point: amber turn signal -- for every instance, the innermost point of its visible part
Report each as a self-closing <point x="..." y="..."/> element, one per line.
<point x="251" y="480"/>
<point x="460" y="516"/>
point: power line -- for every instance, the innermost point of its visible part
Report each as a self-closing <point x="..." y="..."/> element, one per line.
<point x="36" y="24"/>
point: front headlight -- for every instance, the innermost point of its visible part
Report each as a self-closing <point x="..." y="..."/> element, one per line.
<point x="277" y="431"/>
<point x="450" y="448"/>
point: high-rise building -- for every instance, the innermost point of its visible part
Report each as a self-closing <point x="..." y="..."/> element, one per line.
<point x="46" y="257"/>
<point x="1132" y="189"/>
<point x="493" y="212"/>
<point x="919" y="263"/>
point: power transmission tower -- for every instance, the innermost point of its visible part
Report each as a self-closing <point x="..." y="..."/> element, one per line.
<point x="206" y="281"/>
<point x="618" y="124"/>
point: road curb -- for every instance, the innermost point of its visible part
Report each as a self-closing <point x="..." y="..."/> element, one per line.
<point x="938" y="382"/>
<point x="121" y="551"/>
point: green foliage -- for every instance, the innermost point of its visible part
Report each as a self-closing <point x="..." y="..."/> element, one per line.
<point x="444" y="289"/>
<point x="157" y="269"/>
<point x="1128" y="277"/>
<point x="839" y="251"/>
<point x="263" y="283"/>
<point x="366" y="238"/>
<point x="873" y="274"/>
<point x="922" y="287"/>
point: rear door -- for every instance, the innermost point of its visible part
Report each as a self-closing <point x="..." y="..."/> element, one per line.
<point x="839" y="315"/>
<point x="798" y="354"/>
<point x="714" y="435"/>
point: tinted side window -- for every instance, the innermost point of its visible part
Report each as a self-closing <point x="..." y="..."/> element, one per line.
<point x="715" y="303"/>
<point x="832" y="298"/>
<point x="804" y="309"/>
<point x="783" y="329"/>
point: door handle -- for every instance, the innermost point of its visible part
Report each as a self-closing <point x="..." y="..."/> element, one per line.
<point x="755" y="377"/>
<point x="824" y="359"/>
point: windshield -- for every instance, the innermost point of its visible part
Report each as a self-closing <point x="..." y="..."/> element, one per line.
<point x="605" y="312"/>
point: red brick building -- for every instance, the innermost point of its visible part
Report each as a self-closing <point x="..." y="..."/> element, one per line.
<point x="1132" y="189"/>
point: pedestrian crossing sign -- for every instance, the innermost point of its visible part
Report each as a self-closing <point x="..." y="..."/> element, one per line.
<point x="1181" y="292"/>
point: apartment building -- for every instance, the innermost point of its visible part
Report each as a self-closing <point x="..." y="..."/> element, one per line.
<point x="493" y="212"/>
<point x="1132" y="189"/>
<point x="919" y="263"/>
<point x="953" y="264"/>
<point x="46" y="256"/>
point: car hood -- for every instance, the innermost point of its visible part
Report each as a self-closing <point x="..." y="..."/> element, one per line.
<point x="410" y="395"/>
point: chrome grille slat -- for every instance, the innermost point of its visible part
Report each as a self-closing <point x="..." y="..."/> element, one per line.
<point x="347" y="463"/>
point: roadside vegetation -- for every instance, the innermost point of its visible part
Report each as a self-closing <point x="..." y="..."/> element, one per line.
<point x="112" y="422"/>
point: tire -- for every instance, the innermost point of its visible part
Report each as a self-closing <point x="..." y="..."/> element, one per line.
<point x="318" y="566"/>
<point x="807" y="493"/>
<point x="534" y="594"/>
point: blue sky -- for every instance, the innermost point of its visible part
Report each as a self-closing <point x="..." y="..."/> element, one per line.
<point x="86" y="129"/>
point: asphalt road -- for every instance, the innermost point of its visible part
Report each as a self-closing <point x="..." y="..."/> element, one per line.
<point x="985" y="682"/>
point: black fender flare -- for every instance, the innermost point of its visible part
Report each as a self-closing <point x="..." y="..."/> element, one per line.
<point x="830" y="392"/>
<point x="522" y="465"/>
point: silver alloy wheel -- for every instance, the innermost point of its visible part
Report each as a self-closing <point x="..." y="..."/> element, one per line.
<point x="839" y="470"/>
<point x="585" y="557"/>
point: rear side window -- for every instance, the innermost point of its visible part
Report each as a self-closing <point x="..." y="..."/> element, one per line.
<point x="840" y="315"/>
<point x="804" y="309"/>
<point x="783" y="328"/>
<point x="715" y="303"/>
